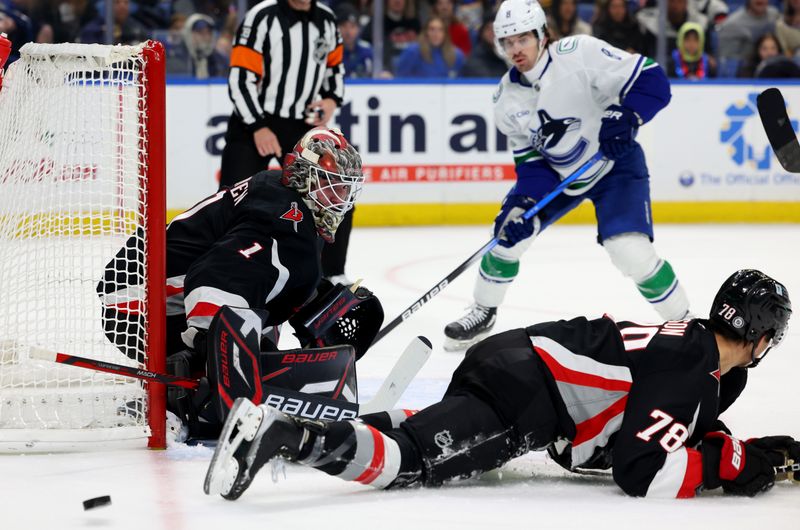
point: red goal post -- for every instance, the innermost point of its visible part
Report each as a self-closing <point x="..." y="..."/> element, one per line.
<point x="82" y="170"/>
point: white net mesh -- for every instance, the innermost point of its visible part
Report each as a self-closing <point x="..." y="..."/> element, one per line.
<point x="72" y="177"/>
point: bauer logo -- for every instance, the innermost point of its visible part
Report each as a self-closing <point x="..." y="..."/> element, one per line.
<point x="745" y="138"/>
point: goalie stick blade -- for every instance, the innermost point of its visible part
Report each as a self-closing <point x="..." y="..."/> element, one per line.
<point x="42" y="354"/>
<point x="408" y="365"/>
<point x="778" y="126"/>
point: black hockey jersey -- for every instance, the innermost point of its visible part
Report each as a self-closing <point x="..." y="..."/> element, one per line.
<point x="253" y="245"/>
<point x="646" y="393"/>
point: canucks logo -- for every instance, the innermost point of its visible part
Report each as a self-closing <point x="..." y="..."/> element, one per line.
<point x="550" y="133"/>
<point x="741" y="151"/>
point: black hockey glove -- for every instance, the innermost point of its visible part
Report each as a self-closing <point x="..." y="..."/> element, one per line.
<point x="618" y="129"/>
<point x="740" y="468"/>
<point x="781" y="450"/>
<point x="509" y="227"/>
<point x="188" y="405"/>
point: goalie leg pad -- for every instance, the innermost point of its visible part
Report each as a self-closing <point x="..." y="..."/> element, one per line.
<point x="234" y="358"/>
<point x="328" y="372"/>
<point x="635" y="256"/>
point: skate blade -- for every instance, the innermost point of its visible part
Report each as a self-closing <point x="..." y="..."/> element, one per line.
<point x="246" y="418"/>
<point x="455" y="345"/>
<point x="242" y="479"/>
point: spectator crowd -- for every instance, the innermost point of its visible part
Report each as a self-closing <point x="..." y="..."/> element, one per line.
<point x="439" y="38"/>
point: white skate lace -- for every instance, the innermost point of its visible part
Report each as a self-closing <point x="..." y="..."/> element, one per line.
<point x="474" y="317"/>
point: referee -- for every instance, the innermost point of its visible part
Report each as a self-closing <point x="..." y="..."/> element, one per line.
<point x="286" y="77"/>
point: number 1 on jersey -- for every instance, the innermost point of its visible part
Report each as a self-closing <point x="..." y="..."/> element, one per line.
<point x="248" y="252"/>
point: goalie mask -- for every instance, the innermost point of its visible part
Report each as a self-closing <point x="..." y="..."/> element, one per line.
<point x="326" y="170"/>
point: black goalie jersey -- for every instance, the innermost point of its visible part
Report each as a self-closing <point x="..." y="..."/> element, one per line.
<point x="253" y="245"/>
<point x="639" y="395"/>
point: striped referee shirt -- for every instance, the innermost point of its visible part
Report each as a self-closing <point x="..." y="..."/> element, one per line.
<point x="282" y="60"/>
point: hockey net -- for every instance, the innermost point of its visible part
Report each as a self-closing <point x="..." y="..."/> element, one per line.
<point x="81" y="171"/>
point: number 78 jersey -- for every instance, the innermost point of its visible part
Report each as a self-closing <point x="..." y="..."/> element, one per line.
<point x="646" y="393"/>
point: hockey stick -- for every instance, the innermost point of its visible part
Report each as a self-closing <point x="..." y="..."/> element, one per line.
<point x="410" y="362"/>
<point x="778" y="126"/>
<point x="112" y="368"/>
<point x="439" y="287"/>
<point x="404" y="370"/>
<point x="789" y="468"/>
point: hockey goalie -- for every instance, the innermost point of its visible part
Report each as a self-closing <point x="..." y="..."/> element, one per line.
<point x="239" y="264"/>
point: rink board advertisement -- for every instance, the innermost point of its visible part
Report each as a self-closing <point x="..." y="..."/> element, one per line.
<point x="432" y="153"/>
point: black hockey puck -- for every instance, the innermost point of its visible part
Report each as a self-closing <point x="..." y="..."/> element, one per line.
<point x="97" y="502"/>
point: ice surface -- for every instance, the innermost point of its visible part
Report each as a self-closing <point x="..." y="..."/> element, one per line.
<point x="564" y="274"/>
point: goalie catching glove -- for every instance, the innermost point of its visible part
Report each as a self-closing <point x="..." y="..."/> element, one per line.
<point x="338" y="315"/>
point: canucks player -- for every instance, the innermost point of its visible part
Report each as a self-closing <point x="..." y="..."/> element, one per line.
<point x="559" y="104"/>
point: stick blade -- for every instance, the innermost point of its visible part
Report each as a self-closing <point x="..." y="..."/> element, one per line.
<point x="778" y="126"/>
<point x="41" y="354"/>
<point x="411" y="361"/>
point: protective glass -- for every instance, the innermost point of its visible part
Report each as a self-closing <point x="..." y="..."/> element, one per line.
<point x="523" y="40"/>
<point x="334" y="192"/>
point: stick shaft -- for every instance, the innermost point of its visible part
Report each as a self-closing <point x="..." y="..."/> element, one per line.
<point x="407" y="366"/>
<point x="788" y="468"/>
<point x="439" y="287"/>
<point x="113" y="368"/>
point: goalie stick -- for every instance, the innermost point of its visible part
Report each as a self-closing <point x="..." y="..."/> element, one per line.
<point x="410" y="362"/>
<point x="112" y="368"/>
<point x="778" y="126"/>
<point x="439" y="287"/>
<point x="788" y="468"/>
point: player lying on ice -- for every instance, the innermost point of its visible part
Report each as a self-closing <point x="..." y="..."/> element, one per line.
<point x="643" y="400"/>
<point x="255" y="247"/>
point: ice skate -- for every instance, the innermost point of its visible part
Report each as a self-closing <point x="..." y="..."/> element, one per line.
<point x="470" y="328"/>
<point x="252" y="436"/>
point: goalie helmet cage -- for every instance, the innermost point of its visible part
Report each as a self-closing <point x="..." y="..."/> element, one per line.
<point x="82" y="169"/>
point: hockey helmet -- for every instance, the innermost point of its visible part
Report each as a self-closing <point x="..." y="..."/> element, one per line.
<point x="751" y="305"/>
<point x="520" y="16"/>
<point x="326" y="170"/>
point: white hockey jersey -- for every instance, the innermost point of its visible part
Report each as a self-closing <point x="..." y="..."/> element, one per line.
<point x="553" y="111"/>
